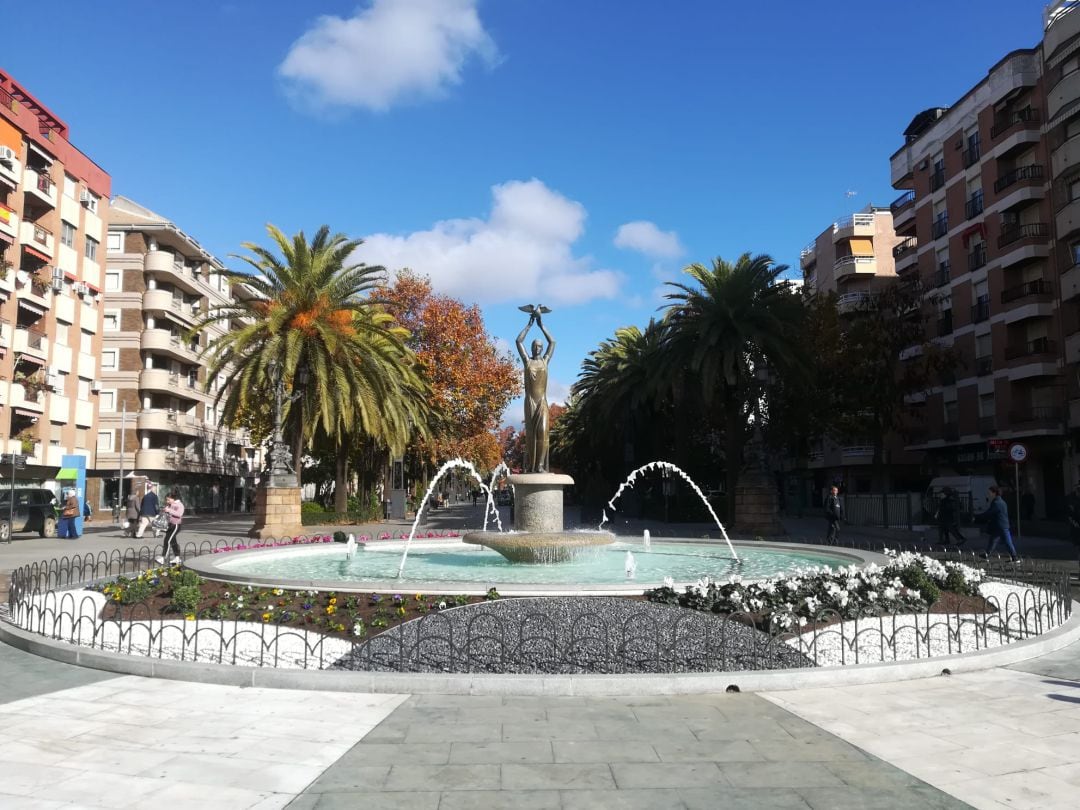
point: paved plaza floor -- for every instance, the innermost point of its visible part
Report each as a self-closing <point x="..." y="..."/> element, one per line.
<point x="74" y="737"/>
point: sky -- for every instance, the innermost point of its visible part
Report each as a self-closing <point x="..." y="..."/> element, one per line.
<point x="574" y="153"/>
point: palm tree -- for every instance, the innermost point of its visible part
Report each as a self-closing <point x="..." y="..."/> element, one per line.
<point x="733" y="319"/>
<point x="311" y="308"/>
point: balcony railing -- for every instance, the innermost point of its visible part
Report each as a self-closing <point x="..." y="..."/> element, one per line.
<point x="1014" y="233"/>
<point x="1039" y="286"/>
<point x="1048" y="415"/>
<point x="905" y="247"/>
<point x="987" y="425"/>
<point x="42" y="236"/>
<point x="940" y="227"/>
<point x="1031" y="172"/>
<point x="855" y="220"/>
<point x="1031" y="348"/>
<point x="937" y="179"/>
<point x="972" y="154"/>
<point x="977" y="257"/>
<point x="44" y="184"/>
<point x="1006" y="121"/>
<point x="974" y="206"/>
<point x="808" y="250"/>
<point x="5" y="99"/>
<point x="980" y="310"/>
<point x="34" y="339"/>
<point x="901" y="202"/>
<point x="984" y="366"/>
<point x="941" y="277"/>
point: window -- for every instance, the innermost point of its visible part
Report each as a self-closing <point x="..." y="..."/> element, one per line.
<point x="91" y="201"/>
<point x="116" y="242"/>
<point x="1075" y="248"/>
<point x="56" y="432"/>
<point x="107" y="401"/>
<point x="84" y="389"/>
<point x="112" y="281"/>
<point x="950" y="412"/>
<point x="105" y="441"/>
<point x="67" y="234"/>
<point x="983" y="346"/>
<point x="91" y="248"/>
<point x="71" y="185"/>
<point x="81" y="437"/>
<point x="62" y="333"/>
<point x="111" y="321"/>
<point x="986" y="405"/>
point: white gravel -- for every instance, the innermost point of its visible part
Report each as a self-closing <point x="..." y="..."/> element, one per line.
<point x="1023" y="611"/>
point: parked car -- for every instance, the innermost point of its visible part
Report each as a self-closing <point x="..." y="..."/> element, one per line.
<point x="35" y="511"/>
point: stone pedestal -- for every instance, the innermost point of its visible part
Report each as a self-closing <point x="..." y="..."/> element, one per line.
<point x="538" y="501"/>
<point x="277" y="513"/>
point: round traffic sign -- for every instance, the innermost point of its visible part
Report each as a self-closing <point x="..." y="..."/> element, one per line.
<point x="1018" y="453"/>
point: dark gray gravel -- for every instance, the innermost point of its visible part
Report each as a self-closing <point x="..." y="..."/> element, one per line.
<point x="572" y="635"/>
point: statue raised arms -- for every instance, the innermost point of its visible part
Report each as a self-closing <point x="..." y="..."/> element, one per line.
<point x="537" y="423"/>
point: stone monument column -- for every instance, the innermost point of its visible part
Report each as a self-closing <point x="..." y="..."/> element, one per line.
<point x="277" y="499"/>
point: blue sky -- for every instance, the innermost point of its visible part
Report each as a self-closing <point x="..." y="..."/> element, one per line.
<point x="494" y="143"/>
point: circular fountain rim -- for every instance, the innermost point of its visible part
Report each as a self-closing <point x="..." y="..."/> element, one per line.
<point x="209" y="567"/>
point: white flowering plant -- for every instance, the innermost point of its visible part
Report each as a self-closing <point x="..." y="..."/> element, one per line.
<point x="908" y="582"/>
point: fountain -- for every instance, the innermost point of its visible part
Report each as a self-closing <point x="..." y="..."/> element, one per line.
<point x="646" y="540"/>
<point x="630" y="565"/>
<point x="350" y="547"/>
<point x="490" y="507"/>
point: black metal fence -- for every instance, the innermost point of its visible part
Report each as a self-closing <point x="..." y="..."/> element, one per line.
<point x="552" y="635"/>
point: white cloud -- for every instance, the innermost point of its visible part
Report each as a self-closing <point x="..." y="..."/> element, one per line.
<point x="522" y="252"/>
<point x="386" y="52"/>
<point x="644" y="237"/>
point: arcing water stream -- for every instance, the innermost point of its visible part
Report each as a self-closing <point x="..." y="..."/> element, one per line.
<point x="491" y="507"/>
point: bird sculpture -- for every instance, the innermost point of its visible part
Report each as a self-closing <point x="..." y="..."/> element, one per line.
<point x="535" y="309"/>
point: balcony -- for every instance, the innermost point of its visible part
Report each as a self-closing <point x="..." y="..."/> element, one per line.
<point x="1040" y="347"/>
<point x="162" y="341"/>
<point x="980" y="310"/>
<point x="854" y="302"/>
<point x="1036" y="417"/>
<point x="22" y="398"/>
<point x="167" y="421"/>
<point x="977" y="257"/>
<point x="1033" y="231"/>
<point x="974" y="206"/>
<point x="941" y="277"/>
<point x="902" y="203"/>
<point x="155" y="459"/>
<point x="858" y="451"/>
<point x="9" y="221"/>
<point x="40" y="239"/>
<point x="807" y="255"/>
<point x="1026" y="118"/>
<point x="1039" y="287"/>
<point x="984" y="366"/>
<point x="987" y="425"/>
<point x="972" y="154"/>
<point x="854" y="265"/>
<point x="1030" y="175"/>
<point x="32" y="342"/>
<point x="164" y="264"/>
<point x="940" y="227"/>
<point x="944" y="325"/>
<point x="855" y="225"/>
<point x="937" y="179"/>
<point x="40" y="186"/>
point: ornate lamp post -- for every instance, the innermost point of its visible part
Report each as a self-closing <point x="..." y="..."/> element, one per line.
<point x="282" y="473"/>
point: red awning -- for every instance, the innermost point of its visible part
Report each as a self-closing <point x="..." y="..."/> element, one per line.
<point x="94" y="287"/>
<point x="37" y="254"/>
<point x="70" y="276"/>
<point x="979" y="229"/>
<point x="26" y="412"/>
<point x="35" y="360"/>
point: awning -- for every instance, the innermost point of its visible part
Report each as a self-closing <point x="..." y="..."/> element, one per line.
<point x="861" y="247"/>
<point x="40" y="152"/>
<point x="94" y="287"/>
<point x="30" y="306"/>
<point x="70" y="276"/>
<point x="979" y="229"/>
<point x="27" y="412"/>
<point x="66" y="473"/>
<point x="35" y="360"/>
<point x="37" y="254"/>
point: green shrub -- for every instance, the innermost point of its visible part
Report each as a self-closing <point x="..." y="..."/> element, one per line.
<point x="915" y="576"/>
<point x="340" y="536"/>
<point x="185" y="598"/>
<point x="955" y="582"/>
<point x="134" y="590"/>
<point x="186" y="577"/>
<point x="311" y="508"/>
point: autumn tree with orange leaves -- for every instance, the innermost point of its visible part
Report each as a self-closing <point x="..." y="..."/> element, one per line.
<point x="471" y="381"/>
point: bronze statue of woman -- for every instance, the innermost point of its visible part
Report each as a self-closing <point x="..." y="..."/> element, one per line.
<point x="537" y="423"/>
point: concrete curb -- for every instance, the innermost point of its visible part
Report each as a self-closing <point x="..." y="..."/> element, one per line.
<point x="580" y="685"/>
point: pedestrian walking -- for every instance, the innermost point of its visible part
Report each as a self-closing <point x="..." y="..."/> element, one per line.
<point x="68" y="515"/>
<point x="948" y="518"/>
<point x="148" y="509"/>
<point x="833" y="513"/>
<point x="1072" y="513"/>
<point x="997" y="524"/>
<point x="131" y="514"/>
<point x="174" y="508"/>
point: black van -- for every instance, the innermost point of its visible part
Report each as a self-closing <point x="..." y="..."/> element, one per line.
<point x="35" y="511"/>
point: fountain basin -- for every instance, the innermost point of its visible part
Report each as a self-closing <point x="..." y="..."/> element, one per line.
<point x="539" y="547"/>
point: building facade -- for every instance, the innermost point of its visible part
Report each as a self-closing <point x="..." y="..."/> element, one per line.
<point x="52" y="234"/>
<point x="158" y="422"/>
<point x="989" y="223"/>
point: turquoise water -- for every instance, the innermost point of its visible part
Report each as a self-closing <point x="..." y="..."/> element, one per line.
<point x="606" y="565"/>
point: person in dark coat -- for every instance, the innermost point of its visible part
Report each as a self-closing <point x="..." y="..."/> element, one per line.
<point x="833" y="513"/>
<point x="997" y="524"/>
<point x="148" y="509"/>
<point x="1072" y="514"/>
<point x="948" y="518"/>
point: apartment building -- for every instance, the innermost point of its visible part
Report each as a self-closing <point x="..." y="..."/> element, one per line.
<point x="989" y="223"/>
<point x="852" y="258"/>
<point x="157" y="420"/>
<point x="52" y="228"/>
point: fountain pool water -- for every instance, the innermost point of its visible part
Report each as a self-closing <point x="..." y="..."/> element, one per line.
<point x="458" y="567"/>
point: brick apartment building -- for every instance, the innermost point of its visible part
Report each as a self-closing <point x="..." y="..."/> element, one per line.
<point x="852" y="258"/>
<point x="989" y="223"/>
<point x="157" y="422"/>
<point x="52" y="231"/>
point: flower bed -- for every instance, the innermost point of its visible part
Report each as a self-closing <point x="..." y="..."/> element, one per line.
<point x="820" y="595"/>
<point x="175" y="593"/>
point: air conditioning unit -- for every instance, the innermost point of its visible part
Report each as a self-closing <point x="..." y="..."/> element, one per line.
<point x="95" y="385"/>
<point x="81" y="288"/>
<point x="7" y="155"/>
<point x="58" y="284"/>
<point x="53" y="381"/>
<point x="85" y="197"/>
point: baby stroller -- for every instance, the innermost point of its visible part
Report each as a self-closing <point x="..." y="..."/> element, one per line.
<point x="159" y="524"/>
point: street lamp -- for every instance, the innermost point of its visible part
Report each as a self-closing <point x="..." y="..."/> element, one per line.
<point x="281" y="461"/>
